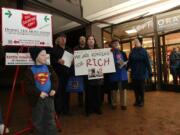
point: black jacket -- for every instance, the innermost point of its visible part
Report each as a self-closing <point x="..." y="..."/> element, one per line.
<point x="78" y="47"/>
<point x="30" y="87"/>
<point x="57" y="54"/>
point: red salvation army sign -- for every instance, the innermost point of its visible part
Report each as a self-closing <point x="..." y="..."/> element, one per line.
<point x="26" y="28"/>
<point x="29" y="21"/>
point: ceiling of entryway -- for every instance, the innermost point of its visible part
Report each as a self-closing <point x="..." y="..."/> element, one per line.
<point x="102" y="12"/>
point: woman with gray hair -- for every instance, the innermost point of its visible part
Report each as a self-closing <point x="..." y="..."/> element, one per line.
<point x="140" y="66"/>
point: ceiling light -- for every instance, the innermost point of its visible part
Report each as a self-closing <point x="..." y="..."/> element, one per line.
<point x="131" y="31"/>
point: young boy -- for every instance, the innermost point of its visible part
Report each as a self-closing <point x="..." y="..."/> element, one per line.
<point x="41" y="84"/>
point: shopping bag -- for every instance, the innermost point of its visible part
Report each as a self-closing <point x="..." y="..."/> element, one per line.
<point x="75" y="84"/>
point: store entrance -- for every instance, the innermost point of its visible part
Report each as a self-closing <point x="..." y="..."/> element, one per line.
<point x="170" y="52"/>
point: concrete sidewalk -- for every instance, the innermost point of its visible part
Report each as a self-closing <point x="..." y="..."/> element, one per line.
<point x="159" y="116"/>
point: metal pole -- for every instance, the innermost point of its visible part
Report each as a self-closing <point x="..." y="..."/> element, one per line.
<point x="165" y="71"/>
<point x="111" y="32"/>
<point x="6" y="122"/>
<point x="19" y="5"/>
<point x="158" y="54"/>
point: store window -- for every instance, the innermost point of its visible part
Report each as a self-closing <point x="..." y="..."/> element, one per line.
<point x="106" y="37"/>
<point x="173" y="66"/>
<point x="151" y="56"/>
<point x="172" y="38"/>
<point x="126" y="48"/>
<point x="172" y="54"/>
<point x="147" y="42"/>
<point x="167" y="22"/>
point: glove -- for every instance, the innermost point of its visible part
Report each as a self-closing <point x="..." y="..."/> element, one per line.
<point x="43" y="95"/>
<point x="52" y="93"/>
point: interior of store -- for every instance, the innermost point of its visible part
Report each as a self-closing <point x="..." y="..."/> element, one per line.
<point x="168" y="30"/>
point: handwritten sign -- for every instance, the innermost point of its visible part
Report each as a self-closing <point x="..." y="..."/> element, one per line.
<point x="87" y="60"/>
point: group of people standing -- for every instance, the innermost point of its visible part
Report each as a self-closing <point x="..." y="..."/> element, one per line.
<point x="92" y="87"/>
<point x="46" y="85"/>
<point x="138" y="62"/>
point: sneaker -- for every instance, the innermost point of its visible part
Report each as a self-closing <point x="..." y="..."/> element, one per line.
<point x="2" y="129"/>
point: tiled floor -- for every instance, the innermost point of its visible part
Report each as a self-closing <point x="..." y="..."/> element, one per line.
<point x="159" y="116"/>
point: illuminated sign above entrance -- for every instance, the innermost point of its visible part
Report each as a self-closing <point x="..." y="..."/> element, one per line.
<point x="164" y="23"/>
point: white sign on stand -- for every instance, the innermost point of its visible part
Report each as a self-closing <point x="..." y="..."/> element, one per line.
<point x="25" y="28"/>
<point x="21" y="59"/>
<point x="94" y="62"/>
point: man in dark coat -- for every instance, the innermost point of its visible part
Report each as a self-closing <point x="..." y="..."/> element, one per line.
<point x="81" y="46"/>
<point x="62" y="97"/>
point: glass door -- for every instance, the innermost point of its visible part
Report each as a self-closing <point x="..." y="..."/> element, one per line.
<point x="148" y="44"/>
<point x="170" y="48"/>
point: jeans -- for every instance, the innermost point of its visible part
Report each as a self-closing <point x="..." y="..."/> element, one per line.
<point x="43" y="117"/>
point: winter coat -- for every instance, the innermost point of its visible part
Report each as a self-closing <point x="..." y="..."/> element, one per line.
<point x="32" y="91"/>
<point x="78" y="47"/>
<point x="139" y="63"/>
<point x="57" y="54"/>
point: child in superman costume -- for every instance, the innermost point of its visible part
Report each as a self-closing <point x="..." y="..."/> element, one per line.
<point x="41" y="84"/>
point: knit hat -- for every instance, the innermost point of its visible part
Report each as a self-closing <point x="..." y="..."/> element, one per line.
<point x="62" y="35"/>
<point x="34" y="52"/>
<point x="114" y="41"/>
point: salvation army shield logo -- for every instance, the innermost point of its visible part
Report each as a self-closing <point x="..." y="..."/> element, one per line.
<point x="29" y="21"/>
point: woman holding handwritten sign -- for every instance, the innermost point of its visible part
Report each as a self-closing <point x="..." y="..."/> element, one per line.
<point x="93" y="91"/>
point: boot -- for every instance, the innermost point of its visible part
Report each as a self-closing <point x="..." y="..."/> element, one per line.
<point x="123" y="102"/>
<point x="114" y="99"/>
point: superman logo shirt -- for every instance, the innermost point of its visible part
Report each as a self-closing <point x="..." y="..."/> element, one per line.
<point x="41" y="77"/>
